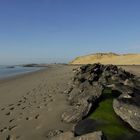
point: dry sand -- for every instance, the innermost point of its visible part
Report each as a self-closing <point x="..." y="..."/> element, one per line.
<point x="32" y="104"/>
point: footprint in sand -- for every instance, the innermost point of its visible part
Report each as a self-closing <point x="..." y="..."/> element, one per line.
<point x="28" y="118"/>
<point x="9" y="137"/>
<point x="3" y="129"/>
<point x="24" y="98"/>
<point x="12" y="127"/>
<point x="29" y="104"/>
<point x="8" y="114"/>
<point x="12" y="108"/>
<point x="45" y="104"/>
<point x="34" y="102"/>
<point x="51" y="100"/>
<point x="37" y="116"/>
<point x="49" y="96"/>
<point x="24" y="101"/>
<point x="2" y="109"/>
<point x="20" y="101"/>
<point x="11" y="120"/>
<point x="20" y="113"/>
<point x="44" y="97"/>
<point x="38" y="107"/>
<point x="23" y="108"/>
<point x="28" y="93"/>
<point x="18" y="104"/>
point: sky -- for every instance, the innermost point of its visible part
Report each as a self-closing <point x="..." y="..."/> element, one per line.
<point x="43" y="31"/>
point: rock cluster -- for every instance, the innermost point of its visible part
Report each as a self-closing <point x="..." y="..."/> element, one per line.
<point x="87" y="87"/>
<point x="88" y="84"/>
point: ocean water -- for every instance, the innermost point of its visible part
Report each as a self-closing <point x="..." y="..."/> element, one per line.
<point x="7" y="71"/>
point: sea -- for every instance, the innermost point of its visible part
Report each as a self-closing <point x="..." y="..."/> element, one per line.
<point x="9" y="71"/>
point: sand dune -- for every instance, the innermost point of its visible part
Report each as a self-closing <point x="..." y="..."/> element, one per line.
<point x="108" y="58"/>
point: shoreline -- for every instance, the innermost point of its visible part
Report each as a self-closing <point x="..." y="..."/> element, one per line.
<point x="15" y="74"/>
<point x="21" y="75"/>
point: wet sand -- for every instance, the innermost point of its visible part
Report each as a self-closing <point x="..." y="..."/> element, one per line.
<point x="32" y="104"/>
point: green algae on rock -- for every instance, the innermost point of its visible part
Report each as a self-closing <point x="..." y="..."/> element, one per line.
<point x="112" y="126"/>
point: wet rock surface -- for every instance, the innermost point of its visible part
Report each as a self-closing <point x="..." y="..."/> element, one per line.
<point x="85" y="126"/>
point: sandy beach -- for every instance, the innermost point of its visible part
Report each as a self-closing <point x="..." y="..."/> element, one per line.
<point x="32" y="104"/>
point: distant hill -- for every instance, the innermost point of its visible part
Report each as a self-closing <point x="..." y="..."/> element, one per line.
<point x="108" y="58"/>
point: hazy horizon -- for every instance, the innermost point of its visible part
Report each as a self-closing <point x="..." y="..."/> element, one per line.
<point x="35" y="61"/>
<point x="49" y="31"/>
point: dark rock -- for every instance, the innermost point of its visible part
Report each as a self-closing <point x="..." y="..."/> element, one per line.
<point x="135" y="137"/>
<point x="85" y="126"/>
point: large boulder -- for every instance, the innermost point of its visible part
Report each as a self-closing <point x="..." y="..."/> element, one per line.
<point x="85" y="126"/>
<point x="128" y="109"/>
<point x="77" y="112"/>
<point x="85" y="91"/>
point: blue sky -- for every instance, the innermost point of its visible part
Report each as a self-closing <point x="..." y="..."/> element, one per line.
<point x="59" y="30"/>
